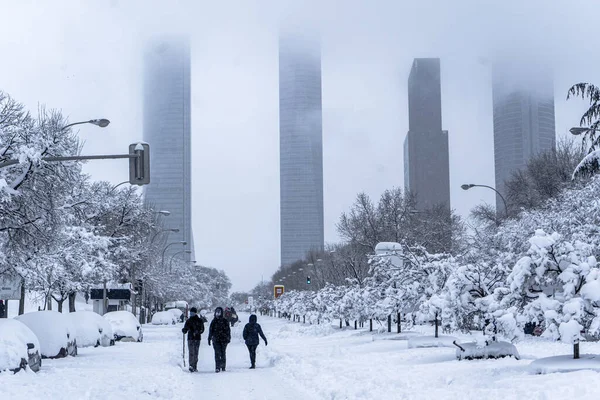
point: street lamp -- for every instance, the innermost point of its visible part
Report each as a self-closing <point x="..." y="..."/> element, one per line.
<point x="468" y="186"/>
<point x="579" y="130"/>
<point x="175" y="230"/>
<point x="102" y="123"/>
<point x="173" y="256"/>
<point x="163" y="212"/>
<point x="165" y="249"/>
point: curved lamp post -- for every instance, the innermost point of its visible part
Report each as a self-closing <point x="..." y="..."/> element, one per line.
<point x="468" y="186"/>
<point x="102" y="123"/>
<point x="175" y="230"/>
<point x="173" y="256"/>
<point x="165" y="249"/>
<point x="579" y="130"/>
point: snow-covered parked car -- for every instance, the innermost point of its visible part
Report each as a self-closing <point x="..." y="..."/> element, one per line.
<point x="19" y="347"/>
<point x="164" y="318"/>
<point x="91" y="329"/>
<point x="55" y="332"/>
<point x="125" y="326"/>
<point x="177" y="313"/>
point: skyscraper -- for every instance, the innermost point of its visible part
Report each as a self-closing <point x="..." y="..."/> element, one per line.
<point x="167" y="130"/>
<point x="301" y="147"/>
<point x="426" y="160"/>
<point x="523" y="97"/>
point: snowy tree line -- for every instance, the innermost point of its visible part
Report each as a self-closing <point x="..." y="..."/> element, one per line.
<point x="539" y="265"/>
<point x="63" y="233"/>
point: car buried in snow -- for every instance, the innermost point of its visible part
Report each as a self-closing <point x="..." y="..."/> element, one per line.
<point x="125" y="326"/>
<point x="54" y="331"/>
<point x="19" y="347"/>
<point x="91" y="330"/>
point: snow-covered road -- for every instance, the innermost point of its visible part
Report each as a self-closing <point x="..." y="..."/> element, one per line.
<point x="301" y="362"/>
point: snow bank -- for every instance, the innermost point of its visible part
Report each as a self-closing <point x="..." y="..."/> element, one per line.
<point x="164" y="318"/>
<point x="430" y="341"/>
<point x="565" y="363"/>
<point x="14" y="337"/>
<point x="124" y="325"/>
<point x="90" y="328"/>
<point x="54" y="331"/>
<point x="474" y="350"/>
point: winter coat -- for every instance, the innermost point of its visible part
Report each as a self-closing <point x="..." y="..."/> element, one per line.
<point x="195" y="326"/>
<point x="251" y="332"/>
<point x="219" y="330"/>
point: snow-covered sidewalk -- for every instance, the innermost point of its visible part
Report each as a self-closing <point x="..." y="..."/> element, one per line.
<point x="301" y="362"/>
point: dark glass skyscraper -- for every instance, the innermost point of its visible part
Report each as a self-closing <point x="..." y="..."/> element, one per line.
<point x="426" y="159"/>
<point x="301" y="147"/>
<point x="167" y="130"/>
<point x="523" y="99"/>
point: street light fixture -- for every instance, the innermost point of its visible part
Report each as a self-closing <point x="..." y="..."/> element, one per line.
<point x="165" y="249"/>
<point x="468" y="186"/>
<point x="175" y="230"/>
<point x="102" y="123"/>
<point x="579" y="130"/>
<point x="163" y="212"/>
<point x="173" y="256"/>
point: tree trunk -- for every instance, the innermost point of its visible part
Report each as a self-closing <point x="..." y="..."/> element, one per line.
<point x="340" y="323"/>
<point x="436" y="325"/>
<point x="49" y="302"/>
<point x="355" y="327"/>
<point x="72" y="297"/>
<point x="60" y="303"/>
<point x="390" y="323"/>
<point x="576" y="350"/>
<point x="370" y="324"/>
<point x="398" y="320"/>
<point x="22" y="299"/>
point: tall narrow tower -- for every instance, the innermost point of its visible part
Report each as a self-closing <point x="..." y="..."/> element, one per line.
<point x="523" y="97"/>
<point x="301" y="147"/>
<point x="426" y="159"/>
<point x="167" y="130"/>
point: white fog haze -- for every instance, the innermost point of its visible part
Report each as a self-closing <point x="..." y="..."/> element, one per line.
<point x="85" y="58"/>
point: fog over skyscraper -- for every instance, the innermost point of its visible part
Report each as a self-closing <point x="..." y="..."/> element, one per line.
<point x="426" y="159"/>
<point x="301" y="147"/>
<point x="523" y="97"/>
<point x="167" y="130"/>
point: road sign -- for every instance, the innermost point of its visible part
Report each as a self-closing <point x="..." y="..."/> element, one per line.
<point x="10" y="288"/>
<point x="278" y="290"/>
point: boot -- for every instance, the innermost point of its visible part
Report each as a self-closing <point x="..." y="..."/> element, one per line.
<point x="252" y="366"/>
<point x="217" y="370"/>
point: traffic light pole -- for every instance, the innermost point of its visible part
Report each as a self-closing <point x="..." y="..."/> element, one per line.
<point x="74" y="158"/>
<point x="139" y="164"/>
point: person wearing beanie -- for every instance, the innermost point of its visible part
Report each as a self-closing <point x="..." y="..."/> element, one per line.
<point x="250" y="335"/>
<point x="220" y="334"/>
<point x="194" y="327"/>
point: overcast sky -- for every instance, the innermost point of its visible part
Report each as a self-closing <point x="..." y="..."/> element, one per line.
<point x="84" y="57"/>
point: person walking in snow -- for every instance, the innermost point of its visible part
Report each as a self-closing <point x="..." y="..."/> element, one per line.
<point x="250" y="334"/>
<point x="194" y="327"/>
<point x="220" y="334"/>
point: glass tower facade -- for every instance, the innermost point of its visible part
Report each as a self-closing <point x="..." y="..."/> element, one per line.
<point x="301" y="148"/>
<point x="523" y="101"/>
<point x="426" y="158"/>
<point x="167" y="129"/>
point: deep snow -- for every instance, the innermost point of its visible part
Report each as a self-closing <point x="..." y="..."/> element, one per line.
<point x="301" y="362"/>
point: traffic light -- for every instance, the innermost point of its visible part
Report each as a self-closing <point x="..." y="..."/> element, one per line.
<point x="308" y="280"/>
<point x="139" y="164"/>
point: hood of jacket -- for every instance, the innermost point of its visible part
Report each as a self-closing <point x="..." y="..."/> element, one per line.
<point x="219" y="311"/>
<point x="252" y="319"/>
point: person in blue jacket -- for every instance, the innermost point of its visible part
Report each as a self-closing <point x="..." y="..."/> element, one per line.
<point x="250" y="334"/>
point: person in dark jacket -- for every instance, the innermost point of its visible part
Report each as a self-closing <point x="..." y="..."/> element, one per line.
<point x="250" y="334"/>
<point x="220" y="334"/>
<point x="194" y="327"/>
